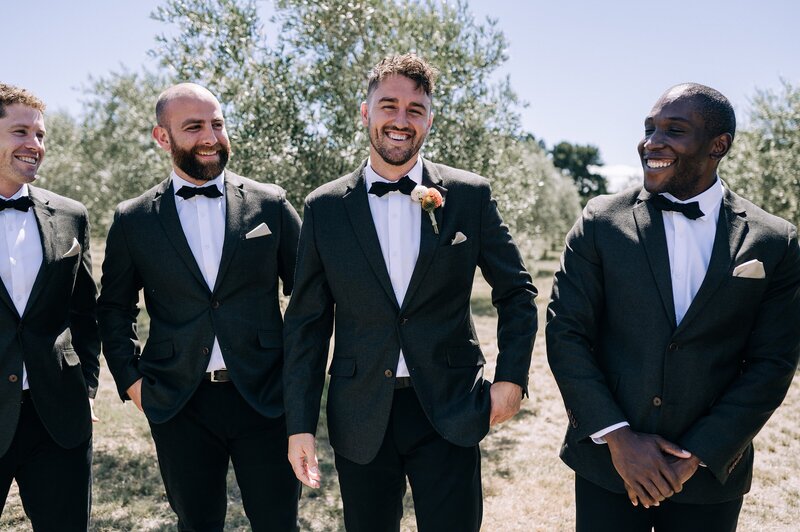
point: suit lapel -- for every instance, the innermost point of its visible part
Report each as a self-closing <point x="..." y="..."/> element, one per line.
<point x="429" y="240"/>
<point x="650" y="225"/>
<point x="164" y="206"/>
<point x="357" y="206"/>
<point x="234" y="222"/>
<point x="44" y="215"/>
<point x="731" y="228"/>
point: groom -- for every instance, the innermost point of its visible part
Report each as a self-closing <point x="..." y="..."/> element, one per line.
<point x="394" y="263"/>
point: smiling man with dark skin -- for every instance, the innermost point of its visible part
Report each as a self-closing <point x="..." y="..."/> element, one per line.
<point x="672" y="331"/>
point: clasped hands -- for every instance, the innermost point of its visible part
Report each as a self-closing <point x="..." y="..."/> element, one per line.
<point x="505" y="397"/>
<point x="652" y="468"/>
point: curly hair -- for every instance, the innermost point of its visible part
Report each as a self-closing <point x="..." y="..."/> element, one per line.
<point x="409" y="65"/>
<point x="10" y="95"/>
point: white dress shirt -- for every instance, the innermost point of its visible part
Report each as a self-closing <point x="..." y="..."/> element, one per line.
<point x="689" y="243"/>
<point x="20" y="256"/>
<point x="203" y="223"/>
<point x="397" y="221"/>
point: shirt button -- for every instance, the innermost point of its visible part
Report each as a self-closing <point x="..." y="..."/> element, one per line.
<point x="673" y="346"/>
<point x="204" y="350"/>
<point x="388" y="373"/>
<point x="656" y="401"/>
<point x="13" y="378"/>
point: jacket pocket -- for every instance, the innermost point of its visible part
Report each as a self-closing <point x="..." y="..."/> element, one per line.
<point x="342" y="367"/>
<point x="464" y="357"/>
<point x="157" y="350"/>
<point x="270" y="339"/>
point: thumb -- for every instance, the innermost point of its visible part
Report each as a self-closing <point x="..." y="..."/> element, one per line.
<point x="673" y="449"/>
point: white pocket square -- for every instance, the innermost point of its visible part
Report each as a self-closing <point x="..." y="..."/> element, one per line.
<point x="73" y="250"/>
<point x="260" y="230"/>
<point x="752" y="269"/>
<point x="458" y="239"/>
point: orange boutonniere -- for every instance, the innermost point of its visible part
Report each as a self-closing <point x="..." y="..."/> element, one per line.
<point x="429" y="199"/>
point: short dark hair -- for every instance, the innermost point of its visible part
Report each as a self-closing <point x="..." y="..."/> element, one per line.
<point x="409" y="65"/>
<point x="716" y="110"/>
<point x="9" y="95"/>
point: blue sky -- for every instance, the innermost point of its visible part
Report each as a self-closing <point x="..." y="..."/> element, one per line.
<point x="590" y="70"/>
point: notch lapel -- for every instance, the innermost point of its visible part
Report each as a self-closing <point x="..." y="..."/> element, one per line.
<point x="48" y="234"/>
<point x="650" y="225"/>
<point x="731" y="228"/>
<point x="357" y="207"/>
<point x="429" y="240"/>
<point x="164" y="206"/>
<point x="234" y="223"/>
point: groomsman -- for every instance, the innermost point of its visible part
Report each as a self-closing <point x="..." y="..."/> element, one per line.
<point x="49" y="344"/>
<point x="207" y="247"/>
<point x="390" y="252"/>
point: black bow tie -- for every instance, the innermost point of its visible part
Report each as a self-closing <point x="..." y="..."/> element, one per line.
<point x="22" y="203"/>
<point x="405" y="185"/>
<point x="209" y="191"/>
<point x="691" y="210"/>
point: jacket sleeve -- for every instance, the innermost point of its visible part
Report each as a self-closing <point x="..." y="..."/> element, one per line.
<point x="83" y="315"/>
<point x="287" y="254"/>
<point x="118" y="308"/>
<point x="308" y="326"/>
<point x="573" y="316"/>
<point x="513" y="295"/>
<point x="769" y="361"/>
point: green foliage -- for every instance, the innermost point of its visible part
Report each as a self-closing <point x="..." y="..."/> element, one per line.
<point x="764" y="164"/>
<point x="575" y="161"/>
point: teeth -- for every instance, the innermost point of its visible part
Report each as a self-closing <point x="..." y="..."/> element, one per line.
<point x="206" y="152"/>
<point x="25" y="159"/>
<point x="397" y="136"/>
<point x="655" y="163"/>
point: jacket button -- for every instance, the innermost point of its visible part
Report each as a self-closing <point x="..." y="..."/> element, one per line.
<point x="204" y="350"/>
<point x="673" y="346"/>
<point x="215" y="304"/>
<point x="13" y="378"/>
<point x="388" y="373"/>
<point x="656" y="401"/>
<point x="403" y="321"/>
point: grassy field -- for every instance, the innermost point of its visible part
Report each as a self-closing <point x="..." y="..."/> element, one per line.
<point x="526" y="486"/>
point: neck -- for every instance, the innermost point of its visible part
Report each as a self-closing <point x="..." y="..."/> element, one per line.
<point x="9" y="189"/>
<point x="390" y="171"/>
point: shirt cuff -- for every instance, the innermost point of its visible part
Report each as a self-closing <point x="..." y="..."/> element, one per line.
<point x="598" y="438"/>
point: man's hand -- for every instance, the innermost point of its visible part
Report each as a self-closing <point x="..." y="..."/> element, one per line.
<point x="506" y="398"/>
<point x="303" y="458"/>
<point x="95" y="419"/>
<point x="135" y="393"/>
<point x="684" y="468"/>
<point x="641" y="462"/>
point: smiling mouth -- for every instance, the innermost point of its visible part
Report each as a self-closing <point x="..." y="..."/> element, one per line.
<point x="399" y="137"/>
<point x="658" y="164"/>
<point x="205" y="153"/>
<point x="27" y="159"/>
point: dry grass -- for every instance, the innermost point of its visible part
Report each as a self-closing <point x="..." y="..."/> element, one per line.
<point x="526" y="486"/>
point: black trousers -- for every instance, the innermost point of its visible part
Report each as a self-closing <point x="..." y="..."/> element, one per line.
<point x="600" y="510"/>
<point x="194" y="448"/>
<point x="445" y="478"/>
<point x="55" y="484"/>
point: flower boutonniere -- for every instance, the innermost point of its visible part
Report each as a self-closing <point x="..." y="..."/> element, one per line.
<point x="429" y="199"/>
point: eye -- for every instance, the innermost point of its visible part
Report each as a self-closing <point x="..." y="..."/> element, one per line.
<point x="648" y="131"/>
<point x="676" y="130"/>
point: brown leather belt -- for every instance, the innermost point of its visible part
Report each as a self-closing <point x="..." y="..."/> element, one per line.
<point x="220" y="375"/>
<point x="402" y="382"/>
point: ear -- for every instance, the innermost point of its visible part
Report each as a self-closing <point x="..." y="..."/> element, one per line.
<point x="430" y="120"/>
<point x="720" y="146"/>
<point x="162" y="137"/>
<point x="364" y="114"/>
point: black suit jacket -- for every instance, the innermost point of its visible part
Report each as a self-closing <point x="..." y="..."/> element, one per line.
<point x="147" y="249"/>
<point x="56" y="336"/>
<point x="708" y="384"/>
<point x="341" y="271"/>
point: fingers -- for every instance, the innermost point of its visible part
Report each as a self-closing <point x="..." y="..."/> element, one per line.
<point x="95" y="419"/>
<point x="505" y="398"/>
<point x="303" y="459"/>
<point x="668" y="447"/>
<point x="135" y="394"/>
<point x="631" y="494"/>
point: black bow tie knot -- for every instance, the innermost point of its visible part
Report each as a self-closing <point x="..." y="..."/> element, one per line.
<point x="22" y="203"/>
<point x="405" y="185"/>
<point x="209" y="191"/>
<point x="691" y="210"/>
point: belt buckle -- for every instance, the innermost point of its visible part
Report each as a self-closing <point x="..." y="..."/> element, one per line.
<point x="213" y="375"/>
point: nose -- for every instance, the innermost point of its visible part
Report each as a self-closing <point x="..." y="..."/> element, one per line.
<point x="401" y="118"/>
<point x="34" y="142"/>
<point x="654" y="141"/>
<point x="210" y="136"/>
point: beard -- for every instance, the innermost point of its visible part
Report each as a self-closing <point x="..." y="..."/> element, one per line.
<point x="187" y="161"/>
<point x="391" y="154"/>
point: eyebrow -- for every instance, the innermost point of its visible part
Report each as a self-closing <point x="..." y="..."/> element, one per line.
<point x="389" y="99"/>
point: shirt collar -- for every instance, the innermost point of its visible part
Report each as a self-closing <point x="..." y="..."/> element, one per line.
<point x="371" y="176"/>
<point x="178" y="182"/>
<point x="708" y="200"/>
<point x="22" y="192"/>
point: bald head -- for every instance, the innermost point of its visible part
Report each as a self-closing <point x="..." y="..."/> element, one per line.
<point x="189" y="91"/>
